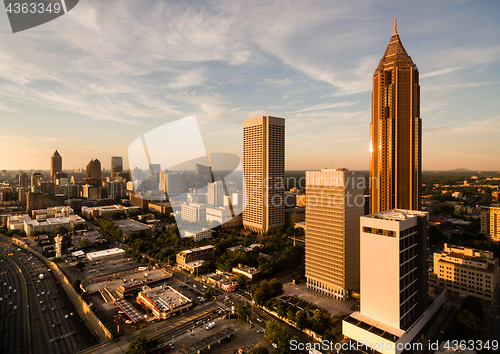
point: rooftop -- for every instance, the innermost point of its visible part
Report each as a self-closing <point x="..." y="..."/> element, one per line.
<point x="165" y="297"/>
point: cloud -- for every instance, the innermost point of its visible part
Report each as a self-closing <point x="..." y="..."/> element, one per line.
<point x="440" y="72"/>
<point x="323" y="106"/>
<point x="278" y="82"/>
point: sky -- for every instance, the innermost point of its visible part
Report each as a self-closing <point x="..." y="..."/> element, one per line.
<point x="91" y="82"/>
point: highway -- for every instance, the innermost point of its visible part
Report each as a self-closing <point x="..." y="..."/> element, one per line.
<point x="50" y="324"/>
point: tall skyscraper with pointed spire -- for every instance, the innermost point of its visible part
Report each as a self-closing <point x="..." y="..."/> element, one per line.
<point x="395" y="132"/>
<point x="55" y="165"/>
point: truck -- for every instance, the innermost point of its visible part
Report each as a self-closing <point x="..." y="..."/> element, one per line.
<point x="41" y="276"/>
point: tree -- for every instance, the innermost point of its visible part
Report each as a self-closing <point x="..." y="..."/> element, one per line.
<point x="277" y="333"/>
<point x="84" y="243"/>
<point x="76" y="283"/>
<point x="79" y="265"/>
<point x="208" y="293"/>
<point x="141" y="345"/>
<point x="473" y="304"/>
<point x="260" y="350"/>
<point x="281" y="309"/>
<point x="242" y="312"/>
<point x="322" y="322"/>
<point x="301" y="319"/>
<point x="242" y="281"/>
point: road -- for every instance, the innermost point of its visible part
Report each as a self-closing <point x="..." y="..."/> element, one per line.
<point x="50" y="324"/>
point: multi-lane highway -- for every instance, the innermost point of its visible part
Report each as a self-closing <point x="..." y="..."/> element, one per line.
<point x="41" y="318"/>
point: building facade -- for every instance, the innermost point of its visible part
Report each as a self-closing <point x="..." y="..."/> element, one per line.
<point x="395" y="132"/>
<point x="335" y="203"/>
<point x="490" y="222"/>
<point x="218" y="190"/>
<point x="264" y="173"/>
<point x="116" y="166"/>
<point x="193" y="258"/>
<point x="55" y="165"/>
<point x="466" y="271"/>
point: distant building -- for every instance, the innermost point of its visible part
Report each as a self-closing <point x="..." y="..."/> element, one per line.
<point x="217" y="191"/>
<point x="466" y="271"/>
<point x="34" y="201"/>
<point x="193" y="212"/>
<point x="35" y="181"/>
<point x="93" y="169"/>
<point x="23" y="180"/>
<point x="55" y="212"/>
<point x="173" y="182"/>
<point x="55" y="165"/>
<point x="203" y="176"/>
<point x="116" y="166"/>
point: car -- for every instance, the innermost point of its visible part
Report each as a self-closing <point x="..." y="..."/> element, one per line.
<point x="41" y="302"/>
<point x="66" y="316"/>
<point x="171" y="346"/>
<point x="10" y="287"/>
<point x="43" y="292"/>
<point x="15" y="307"/>
<point x="258" y="319"/>
<point x="53" y="309"/>
<point x="15" y="290"/>
<point x="71" y="314"/>
<point x="274" y="345"/>
<point x="38" y="295"/>
<point x="53" y="325"/>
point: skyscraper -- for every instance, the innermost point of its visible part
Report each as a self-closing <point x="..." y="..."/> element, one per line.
<point x="203" y="175"/>
<point x="93" y="169"/>
<point x="393" y="279"/>
<point x="334" y="205"/>
<point x="395" y="132"/>
<point x="23" y="180"/>
<point x="116" y="166"/>
<point x="264" y="173"/>
<point x="55" y="165"/>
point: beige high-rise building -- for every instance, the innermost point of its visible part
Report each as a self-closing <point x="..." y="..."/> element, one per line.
<point x="217" y="191"/>
<point x="335" y="202"/>
<point x="264" y="173"/>
<point x="395" y="132"/>
<point x="490" y="223"/>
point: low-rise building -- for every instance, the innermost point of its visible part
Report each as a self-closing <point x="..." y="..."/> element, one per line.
<point x="50" y="224"/>
<point x="130" y="226"/>
<point x="129" y="289"/>
<point x="466" y="271"/>
<point x="197" y="236"/>
<point x="163" y="301"/>
<point x="251" y="273"/>
<point x="16" y="222"/>
<point x="223" y="216"/>
<point x="193" y="212"/>
<point x="193" y="258"/>
<point x="109" y="253"/>
<point x="108" y="211"/>
<point x="223" y="280"/>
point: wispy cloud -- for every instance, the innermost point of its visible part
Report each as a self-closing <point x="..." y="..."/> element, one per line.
<point x="440" y="72"/>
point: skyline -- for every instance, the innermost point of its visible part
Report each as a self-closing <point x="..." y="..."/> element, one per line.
<point x="90" y="82"/>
